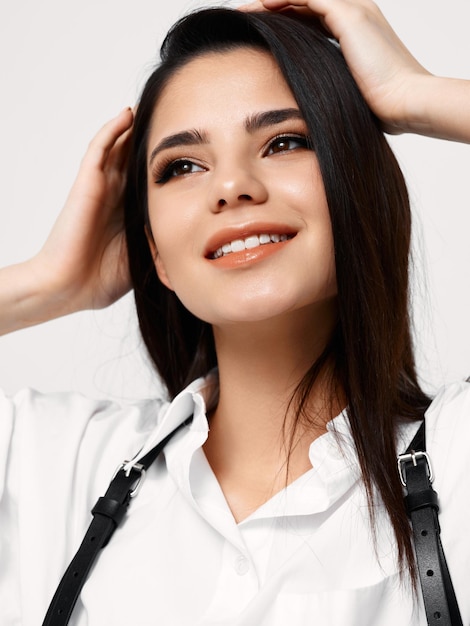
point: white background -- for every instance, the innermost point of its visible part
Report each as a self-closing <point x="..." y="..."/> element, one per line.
<point x="66" y="67"/>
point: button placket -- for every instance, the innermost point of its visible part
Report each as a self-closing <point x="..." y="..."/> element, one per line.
<point x="237" y="585"/>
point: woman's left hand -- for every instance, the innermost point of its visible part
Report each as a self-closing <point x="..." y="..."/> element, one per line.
<point x="385" y="71"/>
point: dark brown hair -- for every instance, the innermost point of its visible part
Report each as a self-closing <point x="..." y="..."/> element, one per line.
<point x="371" y="347"/>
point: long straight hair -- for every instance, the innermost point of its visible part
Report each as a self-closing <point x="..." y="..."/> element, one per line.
<point x="371" y="348"/>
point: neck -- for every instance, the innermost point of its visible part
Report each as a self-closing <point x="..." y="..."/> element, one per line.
<point x="260" y="366"/>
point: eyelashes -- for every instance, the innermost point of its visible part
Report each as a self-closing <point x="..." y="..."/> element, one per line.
<point x="172" y="168"/>
<point x="284" y="143"/>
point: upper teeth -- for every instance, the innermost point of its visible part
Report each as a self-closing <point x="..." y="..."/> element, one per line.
<point x="253" y="241"/>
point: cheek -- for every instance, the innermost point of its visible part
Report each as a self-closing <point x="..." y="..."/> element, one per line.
<point x="160" y="248"/>
<point x="171" y="250"/>
<point x="319" y="263"/>
<point x="177" y="228"/>
<point x="301" y="187"/>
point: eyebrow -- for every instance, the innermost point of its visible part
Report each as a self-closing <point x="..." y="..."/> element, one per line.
<point x="252" y="124"/>
<point x="185" y="138"/>
<point x="271" y="118"/>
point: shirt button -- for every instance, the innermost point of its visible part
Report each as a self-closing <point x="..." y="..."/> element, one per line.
<point x="242" y="565"/>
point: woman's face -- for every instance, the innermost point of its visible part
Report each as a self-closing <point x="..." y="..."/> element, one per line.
<point x="238" y="216"/>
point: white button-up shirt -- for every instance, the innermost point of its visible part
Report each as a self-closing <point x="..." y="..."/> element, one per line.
<point x="305" y="557"/>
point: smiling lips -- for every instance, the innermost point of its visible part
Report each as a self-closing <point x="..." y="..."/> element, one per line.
<point x="249" y="243"/>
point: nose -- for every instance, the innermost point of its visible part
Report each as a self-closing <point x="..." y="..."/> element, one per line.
<point x="236" y="186"/>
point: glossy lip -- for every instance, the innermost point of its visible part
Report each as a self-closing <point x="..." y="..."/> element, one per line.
<point x="230" y="234"/>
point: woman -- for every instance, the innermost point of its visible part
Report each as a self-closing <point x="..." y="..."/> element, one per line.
<point x="267" y="229"/>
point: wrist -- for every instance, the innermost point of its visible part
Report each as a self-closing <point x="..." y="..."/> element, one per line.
<point x="438" y="107"/>
<point x="416" y="115"/>
<point x="27" y="298"/>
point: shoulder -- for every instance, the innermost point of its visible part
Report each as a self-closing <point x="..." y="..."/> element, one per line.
<point x="447" y="442"/>
<point x="448" y="416"/>
<point x="448" y="429"/>
<point x="73" y="412"/>
<point x="66" y="429"/>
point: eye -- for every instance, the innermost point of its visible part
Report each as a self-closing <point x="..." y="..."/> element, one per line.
<point x="286" y="143"/>
<point x="174" y="169"/>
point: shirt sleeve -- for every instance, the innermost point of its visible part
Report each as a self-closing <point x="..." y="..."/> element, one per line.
<point x="58" y="453"/>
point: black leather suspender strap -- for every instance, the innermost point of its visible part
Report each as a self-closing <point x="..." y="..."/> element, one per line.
<point x="422" y="506"/>
<point x="421" y="503"/>
<point x="107" y="514"/>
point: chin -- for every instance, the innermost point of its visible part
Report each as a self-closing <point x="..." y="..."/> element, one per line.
<point x="256" y="313"/>
<point x="261" y="303"/>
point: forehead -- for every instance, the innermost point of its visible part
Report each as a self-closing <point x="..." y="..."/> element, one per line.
<point x="220" y="88"/>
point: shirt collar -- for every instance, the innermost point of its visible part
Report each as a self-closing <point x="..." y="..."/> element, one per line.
<point x="335" y="466"/>
<point x="191" y="401"/>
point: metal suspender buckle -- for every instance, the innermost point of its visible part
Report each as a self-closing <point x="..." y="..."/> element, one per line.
<point x="138" y="467"/>
<point x="413" y="457"/>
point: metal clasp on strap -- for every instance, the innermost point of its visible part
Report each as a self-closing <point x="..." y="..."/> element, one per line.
<point x="138" y="467"/>
<point x="413" y="457"/>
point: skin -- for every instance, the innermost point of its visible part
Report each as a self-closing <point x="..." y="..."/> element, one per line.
<point x="270" y="313"/>
<point x="400" y="91"/>
<point x="239" y="182"/>
<point x="83" y="263"/>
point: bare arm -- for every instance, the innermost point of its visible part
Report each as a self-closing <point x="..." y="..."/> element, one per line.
<point x="402" y="93"/>
<point x="83" y="263"/>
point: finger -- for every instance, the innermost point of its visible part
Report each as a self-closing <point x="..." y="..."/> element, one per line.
<point x="318" y="7"/>
<point x="297" y="7"/>
<point x="252" y="6"/>
<point x="282" y="4"/>
<point x="118" y="155"/>
<point x="106" y="138"/>
<point x="315" y="10"/>
<point x="266" y="5"/>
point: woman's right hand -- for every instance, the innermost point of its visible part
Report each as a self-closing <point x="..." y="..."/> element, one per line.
<point x="383" y="68"/>
<point x="403" y="95"/>
<point x="83" y="264"/>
